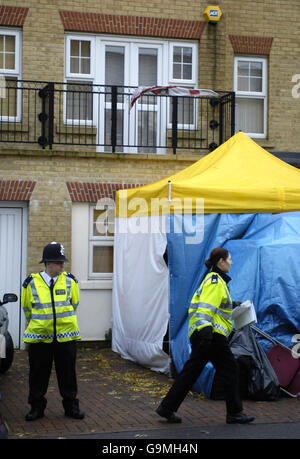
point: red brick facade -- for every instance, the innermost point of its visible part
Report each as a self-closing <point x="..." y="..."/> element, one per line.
<point x="251" y="45"/>
<point x="91" y="192"/>
<point x="16" y="190"/>
<point x="12" y="16"/>
<point x="131" y="25"/>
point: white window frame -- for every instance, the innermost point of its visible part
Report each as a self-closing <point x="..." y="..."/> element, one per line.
<point x="186" y="83"/>
<point x="262" y="95"/>
<point x="79" y="76"/>
<point x="71" y="77"/>
<point x="97" y="241"/>
<point x="16" y="72"/>
<point x="192" y="81"/>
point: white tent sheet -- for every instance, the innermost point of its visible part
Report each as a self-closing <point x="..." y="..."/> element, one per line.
<point x="140" y="293"/>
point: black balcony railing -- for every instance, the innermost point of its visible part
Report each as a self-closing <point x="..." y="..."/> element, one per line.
<point x="88" y="115"/>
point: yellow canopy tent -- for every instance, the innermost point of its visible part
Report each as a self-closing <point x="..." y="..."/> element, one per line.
<point x="237" y="177"/>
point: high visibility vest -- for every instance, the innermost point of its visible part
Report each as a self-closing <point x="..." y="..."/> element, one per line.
<point x="50" y="315"/>
<point x="211" y="305"/>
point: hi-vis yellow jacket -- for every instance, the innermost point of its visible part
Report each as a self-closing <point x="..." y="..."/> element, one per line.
<point x="50" y="315"/>
<point x="211" y="306"/>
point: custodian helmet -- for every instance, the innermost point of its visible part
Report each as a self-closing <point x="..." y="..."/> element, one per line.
<point x="53" y="252"/>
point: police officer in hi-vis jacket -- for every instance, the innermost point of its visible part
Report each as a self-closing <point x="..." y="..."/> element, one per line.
<point x="209" y="327"/>
<point x="49" y="300"/>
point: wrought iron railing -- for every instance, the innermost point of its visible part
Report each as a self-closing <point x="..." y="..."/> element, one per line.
<point x="98" y="116"/>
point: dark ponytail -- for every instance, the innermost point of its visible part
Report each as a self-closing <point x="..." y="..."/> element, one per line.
<point x="215" y="255"/>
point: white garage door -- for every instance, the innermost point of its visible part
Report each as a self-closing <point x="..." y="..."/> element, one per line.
<point x="11" y="220"/>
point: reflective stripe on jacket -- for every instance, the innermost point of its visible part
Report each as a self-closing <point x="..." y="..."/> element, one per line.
<point x="211" y="306"/>
<point x="48" y="317"/>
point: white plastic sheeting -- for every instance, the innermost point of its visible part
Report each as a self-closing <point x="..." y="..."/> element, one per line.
<point x="140" y="302"/>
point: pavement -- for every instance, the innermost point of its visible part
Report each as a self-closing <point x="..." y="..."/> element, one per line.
<point x="119" y="398"/>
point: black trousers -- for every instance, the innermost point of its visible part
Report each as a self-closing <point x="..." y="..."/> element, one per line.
<point x="41" y="357"/>
<point x="207" y="346"/>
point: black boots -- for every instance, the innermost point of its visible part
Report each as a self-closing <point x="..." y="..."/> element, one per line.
<point x="72" y="409"/>
<point x="168" y="414"/>
<point x="34" y="413"/>
<point x="239" y="418"/>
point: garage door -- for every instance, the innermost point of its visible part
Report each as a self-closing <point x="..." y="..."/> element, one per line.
<point x="10" y="265"/>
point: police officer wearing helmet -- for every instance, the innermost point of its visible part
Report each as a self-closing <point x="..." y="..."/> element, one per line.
<point x="209" y="327"/>
<point x="49" y="300"/>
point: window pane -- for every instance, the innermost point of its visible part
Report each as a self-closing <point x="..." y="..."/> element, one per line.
<point x="147" y="67"/>
<point x="107" y="139"/>
<point x="182" y="62"/>
<point x="9" y="61"/>
<point x="79" y="101"/>
<point x="243" y="68"/>
<point x="256" y="84"/>
<point x="7" y="52"/>
<point x="256" y="69"/>
<point x="85" y="49"/>
<point x="177" y="71"/>
<point x="249" y="115"/>
<point x="75" y="48"/>
<point x="147" y="131"/>
<point x="80" y="56"/>
<point x="8" y="105"/>
<point x="74" y="65"/>
<point x="103" y="223"/>
<point x="10" y="43"/>
<point x="85" y="66"/>
<point x="186" y="110"/>
<point x="187" y="72"/>
<point x="243" y="83"/>
<point x="187" y="55"/>
<point x="102" y="259"/>
<point x="177" y="54"/>
<point x="114" y="65"/>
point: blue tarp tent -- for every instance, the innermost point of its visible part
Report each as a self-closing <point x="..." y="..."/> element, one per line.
<point x="265" y="249"/>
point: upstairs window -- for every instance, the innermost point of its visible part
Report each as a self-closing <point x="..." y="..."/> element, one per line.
<point x="79" y="70"/>
<point x="182" y="71"/>
<point x="10" y="72"/>
<point x="183" y="63"/>
<point x="250" y="85"/>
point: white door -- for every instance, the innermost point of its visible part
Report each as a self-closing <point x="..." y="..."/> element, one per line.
<point x="10" y="265"/>
<point x="128" y="65"/>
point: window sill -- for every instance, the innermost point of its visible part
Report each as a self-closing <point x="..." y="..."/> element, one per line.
<point x="265" y="143"/>
<point x="99" y="284"/>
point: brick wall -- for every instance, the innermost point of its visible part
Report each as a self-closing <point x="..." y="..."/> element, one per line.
<point x="259" y="27"/>
<point x="264" y="28"/>
<point x="131" y="25"/>
<point x="55" y="180"/>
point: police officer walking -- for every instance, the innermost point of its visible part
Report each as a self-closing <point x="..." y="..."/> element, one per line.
<point x="209" y="327"/>
<point x="49" y="300"/>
